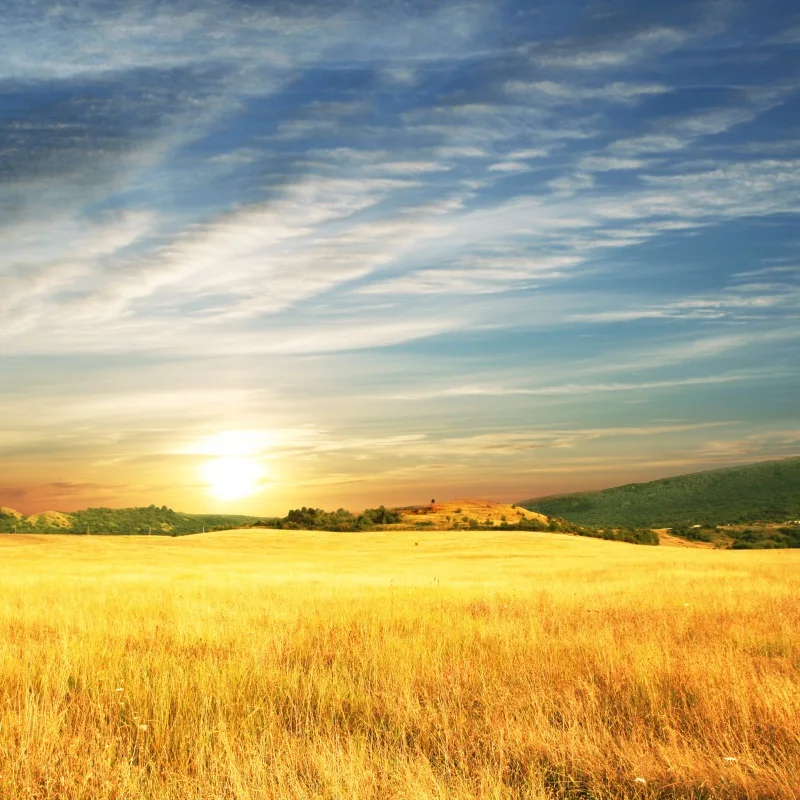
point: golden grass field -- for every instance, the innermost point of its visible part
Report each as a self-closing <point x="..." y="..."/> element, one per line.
<point x="261" y="664"/>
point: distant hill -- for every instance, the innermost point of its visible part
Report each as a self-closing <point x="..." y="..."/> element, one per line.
<point x="465" y="513"/>
<point x="155" y="520"/>
<point x="475" y="514"/>
<point x="765" y="492"/>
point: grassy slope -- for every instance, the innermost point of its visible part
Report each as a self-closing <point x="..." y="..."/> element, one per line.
<point x="768" y="491"/>
<point x="149" y="519"/>
<point x="395" y="665"/>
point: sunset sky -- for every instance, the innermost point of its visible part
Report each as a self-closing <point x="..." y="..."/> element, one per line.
<point x="258" y="255"/>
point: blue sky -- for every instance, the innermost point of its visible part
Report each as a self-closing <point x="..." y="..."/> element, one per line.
<point x="378" y="252"/>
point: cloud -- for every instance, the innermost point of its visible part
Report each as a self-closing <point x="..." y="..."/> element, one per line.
<point x="460" y="152"/>
<point x="647" y="144"/>
<point x="271" y="194"/>
<point x="789" y="36"/>
<point x="514" y="442"/>
<point x="530" y="153"/>
<point x="677" y="133"/>
<point x="567" y="185"/>
<point x="616" y="92"/>
<point x="358" y="336"/>
<point x="321" y="234"/>
<point x="572" y="389"/>
<point x="508" y="166"/>
<point x="505" y="442"/>
<point x="609" y="163"/>
<point x="486" y="274"/>
<point x="256" y="245"/>
<point x="412" y="167"/>
<point x="621" y="51"/>
<point x="83" y="39"/>
<point x="780" y="271"/>
<point x="683" y="350"/>
<point x="756" y="446"/>
<point x="698" y="308"/>
<point x="11" y="494"/>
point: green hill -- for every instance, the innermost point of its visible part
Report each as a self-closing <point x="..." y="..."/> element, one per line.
<point x="764" y="492"/>
<point x="155" y="520"/>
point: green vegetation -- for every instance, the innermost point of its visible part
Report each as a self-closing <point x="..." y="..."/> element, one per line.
<point x="558" y="525"/>
<point x="155" y="520"/>
<point x="315" y="519"/>
<point x="769" y="539"/>
<point x="766" y="492"/>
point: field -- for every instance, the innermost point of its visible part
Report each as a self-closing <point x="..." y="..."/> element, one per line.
<point x="288" y="664"/>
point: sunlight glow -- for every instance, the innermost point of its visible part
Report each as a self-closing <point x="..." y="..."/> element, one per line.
<point x="232" y="477"/>
<point x="235" y="443"/>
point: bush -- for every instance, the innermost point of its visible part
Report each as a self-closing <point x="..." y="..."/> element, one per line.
<point x="340" y="520"/>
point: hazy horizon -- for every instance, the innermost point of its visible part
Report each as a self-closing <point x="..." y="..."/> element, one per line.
<point x="262" y="255"/>
<point x="390" y="498"/>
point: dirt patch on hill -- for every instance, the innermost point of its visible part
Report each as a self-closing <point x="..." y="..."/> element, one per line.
<point x="666" y="539"/>
<point x="464" y="513"/>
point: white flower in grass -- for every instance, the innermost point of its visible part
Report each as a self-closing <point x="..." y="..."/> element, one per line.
<point x="119" y="688"/>
<point x="730" y="759"/>
<point x="143" y="727"/>
<point x="640" y="780"/>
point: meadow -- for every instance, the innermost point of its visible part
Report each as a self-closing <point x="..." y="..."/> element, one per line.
<point x="291" y="664"/>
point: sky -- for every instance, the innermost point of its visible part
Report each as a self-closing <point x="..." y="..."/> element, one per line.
<point x="256" y="255"/>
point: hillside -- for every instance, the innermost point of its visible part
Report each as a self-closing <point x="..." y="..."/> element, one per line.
<point x="466" y="513"/>
<point x="155" y="520"/>
<point x="463" y="514"/>
<point x="487" y="515"/>
<point x="764" y="492"/>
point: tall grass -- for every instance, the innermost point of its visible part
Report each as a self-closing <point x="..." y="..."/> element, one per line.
<point x="435" y="665"/>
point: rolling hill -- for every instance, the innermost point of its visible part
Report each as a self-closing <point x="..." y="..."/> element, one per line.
<point x="764" y="492"/>
<point x="155" y="520"/>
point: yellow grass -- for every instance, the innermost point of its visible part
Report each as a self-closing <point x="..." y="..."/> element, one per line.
<point x="287" y="664"/>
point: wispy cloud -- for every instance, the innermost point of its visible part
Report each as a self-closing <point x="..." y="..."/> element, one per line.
<point x="492" y="390"/>
<point x="508" y="166"/>
<point x="697" y="308"/>
<point x="616" y="92"/>
<point x="580" y="55"/>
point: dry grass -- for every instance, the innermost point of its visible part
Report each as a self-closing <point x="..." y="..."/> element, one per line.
<point x="443" y="515"/>
<point x="667" y="539"/>
<point x="291" y="664"/>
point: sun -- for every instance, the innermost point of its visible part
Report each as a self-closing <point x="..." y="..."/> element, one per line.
<point x="232" y="477"/>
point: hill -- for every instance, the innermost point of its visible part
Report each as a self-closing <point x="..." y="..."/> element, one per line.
<point x="466" y="513"/>
<point x="5" y="511"/>
<point x="488" y="515"/>
<point x="764" y="492"/>
<point x="155" y="520"/>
